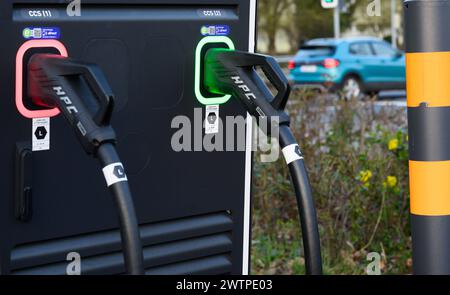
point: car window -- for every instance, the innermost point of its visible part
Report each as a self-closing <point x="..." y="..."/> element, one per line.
<point x="383" y="49"/>
<point x="360" y="48"/>
<point x="313" y="51"/>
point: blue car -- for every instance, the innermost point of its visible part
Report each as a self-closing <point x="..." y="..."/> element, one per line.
<point x="354" y="66"/>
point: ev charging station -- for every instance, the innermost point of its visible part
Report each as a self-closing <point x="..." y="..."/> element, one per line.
<point x="193" y="208"/>
<point x="145" y="62"/>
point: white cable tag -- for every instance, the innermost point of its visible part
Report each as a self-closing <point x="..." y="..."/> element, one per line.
<point x="41" y="134"/>
<point x="114" y="173"/>
<point x="292" y="153"/>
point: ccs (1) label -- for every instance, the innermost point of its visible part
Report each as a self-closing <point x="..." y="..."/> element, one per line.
<point x="41" y="134"/>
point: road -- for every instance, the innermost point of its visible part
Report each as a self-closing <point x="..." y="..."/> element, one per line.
<point x="385" y="98"/>
<point x="392" y="98"/>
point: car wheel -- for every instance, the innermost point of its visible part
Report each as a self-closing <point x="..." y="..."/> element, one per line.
<point x="352" y="88"/>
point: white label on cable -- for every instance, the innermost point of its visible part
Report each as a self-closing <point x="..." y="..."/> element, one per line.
<point x="212" y="119"/>
<point x="114" y="173"/>
<point x="292" y="153"/>
<point x="41" y="134"/>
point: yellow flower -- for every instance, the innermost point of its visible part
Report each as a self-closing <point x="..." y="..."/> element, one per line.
<point x="393" y="144"/>
<point x="391" y="181"/>
<point x="365" y="176"/>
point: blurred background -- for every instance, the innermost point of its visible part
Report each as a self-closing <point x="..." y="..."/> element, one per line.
<point x="347" y="69"/>
<point x="284" y="24"/>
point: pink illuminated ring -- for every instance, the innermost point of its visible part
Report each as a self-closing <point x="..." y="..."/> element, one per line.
<point x="19" y="77"/>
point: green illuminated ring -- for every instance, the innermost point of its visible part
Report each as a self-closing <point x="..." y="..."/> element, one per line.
<point x="210" y="39"/>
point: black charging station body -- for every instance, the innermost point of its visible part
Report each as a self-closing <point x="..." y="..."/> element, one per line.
<point x="193" y="206"/>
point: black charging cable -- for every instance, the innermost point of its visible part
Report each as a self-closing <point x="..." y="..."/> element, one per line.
<point x="131" y="241"/>
<point x="305" y="203"/>
<point x="80" y="91"/>
<point x="234" y="72"/>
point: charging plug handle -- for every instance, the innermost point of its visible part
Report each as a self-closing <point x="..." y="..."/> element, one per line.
<point x="234" y="72"/>
<point x="49" y="85"/>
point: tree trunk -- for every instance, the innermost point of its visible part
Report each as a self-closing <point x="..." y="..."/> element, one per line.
<point x="271" y="48"/>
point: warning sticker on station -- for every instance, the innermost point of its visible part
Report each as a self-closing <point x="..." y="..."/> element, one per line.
<point x="212" y="119"/>
<point x="41" y="134"/>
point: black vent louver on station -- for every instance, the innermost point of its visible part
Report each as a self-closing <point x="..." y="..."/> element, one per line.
<point x="193" y="245"/>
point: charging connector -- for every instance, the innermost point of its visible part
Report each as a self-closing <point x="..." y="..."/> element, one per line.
<point x="201" y="93"/>
<point x="24" y="104"/>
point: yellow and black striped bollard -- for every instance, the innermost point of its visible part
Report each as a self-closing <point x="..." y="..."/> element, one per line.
<point x="428" y="88"/>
